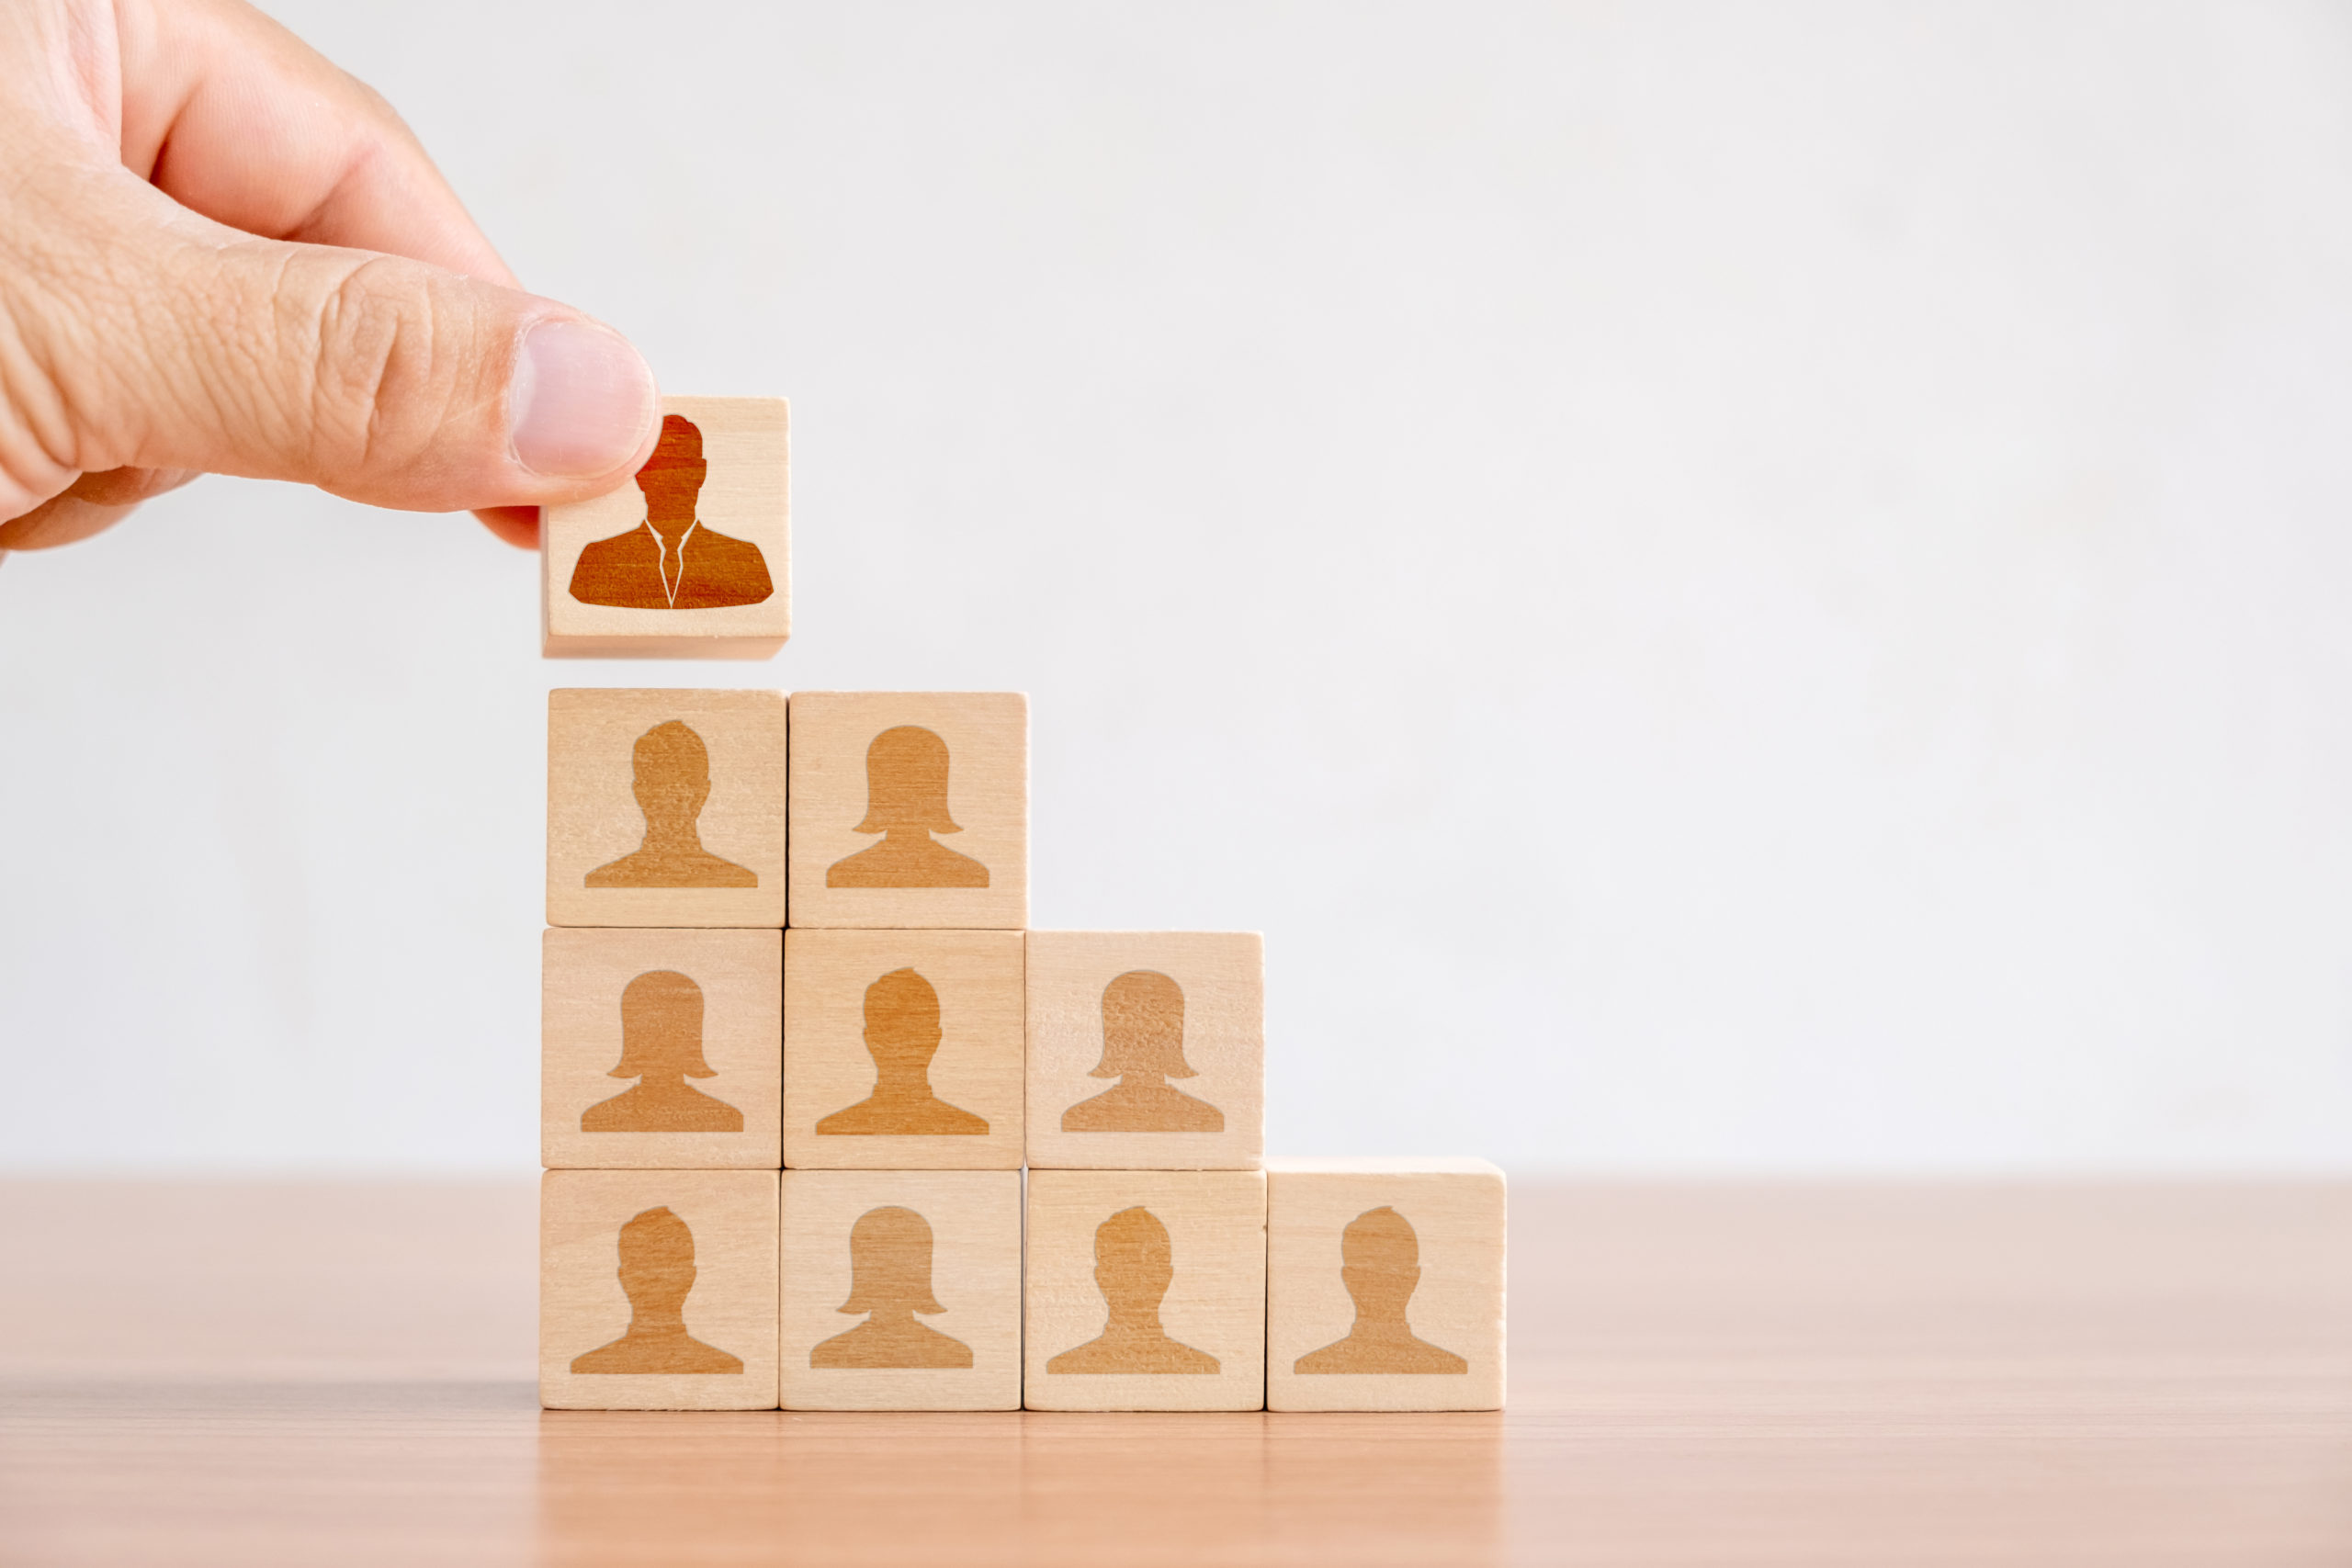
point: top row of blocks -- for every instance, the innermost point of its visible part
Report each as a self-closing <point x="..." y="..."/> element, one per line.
<point x="892" y="810"/>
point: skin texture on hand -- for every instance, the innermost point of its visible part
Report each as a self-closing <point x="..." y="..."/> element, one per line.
<point x="220" y="254"/>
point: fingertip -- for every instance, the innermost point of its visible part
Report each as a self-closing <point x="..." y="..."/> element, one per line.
<point x="583" y="402"/>
<point x="518" y="525"/>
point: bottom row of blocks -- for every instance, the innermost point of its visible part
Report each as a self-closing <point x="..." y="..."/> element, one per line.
<point x="1311" y="1285"/>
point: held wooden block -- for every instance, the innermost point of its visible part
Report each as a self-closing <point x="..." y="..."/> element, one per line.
<point x="1147" y="1050"/>
<point x="627" y="1018"/>
<point x="911" y="809"/>
<point x="658" y="1290"/>
<point x="866" y="1252"/>
<point x="665" y="808"/>
<point x="691" y="561"/>
<point x="1384" y="1284"/>
<point x="903" y="1050"/>
<point x="1146" y="1290"/>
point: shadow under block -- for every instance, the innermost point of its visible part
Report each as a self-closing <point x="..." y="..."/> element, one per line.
<point x="692" y="559"/>
<point x="1146" y="1290"/>
<point x="903" y="1050"/>
<point x="657" y="1290"/>
<point x="665" y="808"/>
<point x="660" y="1050"/>
<point x="901" y="1290"/>
<point x="1384" y="1284"/>
<point x="1147" y="1050"/>
<point x="911" y="809"/>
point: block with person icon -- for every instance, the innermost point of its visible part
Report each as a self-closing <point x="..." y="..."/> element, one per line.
<point x="901" y="1291"/>
<point x="1147" y="1050"/>
<point x="911" y="809"/>
<point x="691" y="560"/>
<point x="658" y="1290"/>
<point x="1384" y="1284"/>
<point x="665" y="808"/>
<point x="661" y="1049"/>
<point x="1146" y="1290"/>
<point x="903" y="1050"/>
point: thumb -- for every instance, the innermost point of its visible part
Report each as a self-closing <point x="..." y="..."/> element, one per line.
<point x="383" y="380"/>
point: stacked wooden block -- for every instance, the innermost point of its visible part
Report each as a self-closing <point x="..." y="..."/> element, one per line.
<point x="799" y="1047"/>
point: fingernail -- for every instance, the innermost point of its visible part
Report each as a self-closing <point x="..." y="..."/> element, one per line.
<point x="582" y="400"/>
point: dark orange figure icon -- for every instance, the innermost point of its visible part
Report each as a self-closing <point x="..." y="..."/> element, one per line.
<point x="661" y="1045"/>
<point x="889" y="1277"/>
<point x="906" y="801"/>
<point x="1134" y="1266"/>
<point x="657" y="1272"/>
<point x="1143" y="1047"/>
<point x="671" y="561"/>
<point x="902" y="1035"/>
<point x="1380" y="1261"/>
<point x="673" y="780"/>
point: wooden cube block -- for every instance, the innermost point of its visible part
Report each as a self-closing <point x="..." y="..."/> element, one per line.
<point x="694" y="560"/>
<point x="903" y="1050"/>
<point x="911" y="809"/>
<point x="657" y="1290"/>
<point x="627" y="1017"/>
<point x="1146" y="1290"/>
<point x="1147" y="1050"/>
<point x="902" y="1289"/>
<point x="1384" y="1284"/>
<point x="665" y="808"/>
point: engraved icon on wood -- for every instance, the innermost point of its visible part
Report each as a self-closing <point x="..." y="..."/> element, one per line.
<point x="1143" y="1047"/>
<point x="902" y="1035"/>
<point x="1380" y="1266"/>
<point x="673" y="781"/>
<point x="1134" y="1266"/>
<point x="890" y="1274"/>
<point x="661" y="1046"/>
<point x="657" y="1272"/>
<point x="671" y="561"/>
<point x="906" y="802"/>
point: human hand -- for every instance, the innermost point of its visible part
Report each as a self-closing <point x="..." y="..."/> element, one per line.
<point x="220" y="254"/>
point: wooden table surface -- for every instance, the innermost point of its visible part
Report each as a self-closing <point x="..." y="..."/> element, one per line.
<point x="1887" y="1376"/>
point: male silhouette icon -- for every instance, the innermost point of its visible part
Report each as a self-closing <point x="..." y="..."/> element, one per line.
<point x="1380" y="1266"/>
<point x="889" y="1262"/>
<point x="1143" y="1047"/>
<point x="902" y="1035"/>
<point x="671" y="561"/>
<point x="1134" y="1266"/>
<point x="662" y="1045"/>
<point x="657" y="1272"/>
<point x="906" y="801"/>
<point x="672" y="781"/>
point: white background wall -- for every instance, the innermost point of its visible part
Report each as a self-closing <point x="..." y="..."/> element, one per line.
<point x="1735" y="588"/>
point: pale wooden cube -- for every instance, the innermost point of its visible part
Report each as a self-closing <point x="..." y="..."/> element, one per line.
<point x="911" y="809"/>
<point x="1147" y="1050"/>
<point x="691" y="560"/>
<point x="1384" y="1284"/>
<point x="661" y="1049"/>
<point x="665" y="808"/>
<point x="903" y="1050"/>
<point x="902" y="1289"/>
<point x="1146" y="1290"/>
<point x="658" y="1290"/>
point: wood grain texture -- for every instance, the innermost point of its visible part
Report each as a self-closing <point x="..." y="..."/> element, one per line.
<point x="911" y="809"/>
<point x="674" y="565"/>
<point x="1162" y="1030"/>
<point x="1384" y="1284"/>
<point x="626" y="1306"/>
<point x="860" y="1093"/>
<point x="734" y="1030"/>
<point x="1996" y="1376"/>
<point x="1155" y="1269"/>
<point x="847" y="1243"/>
<point x="665" y="808"/>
